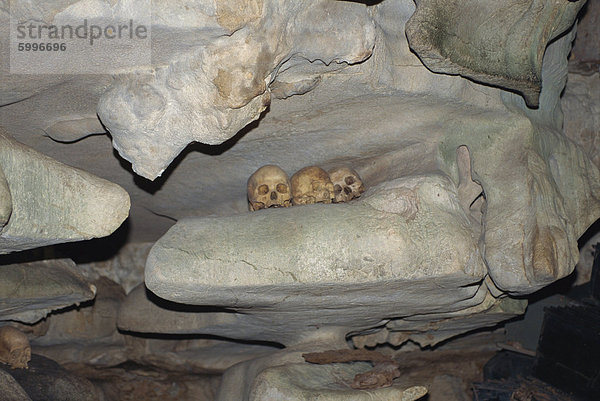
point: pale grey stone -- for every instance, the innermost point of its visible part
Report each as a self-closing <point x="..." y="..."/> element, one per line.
<point x="285" y="374"/>
<point x="476" y="40"/>
<point x="387" y="116"/>
<point x="343" y="121"/>
<point x="125" y="268"/>
<point x="209" y="92"/>
<point x="169" y="317"/>
<point x="344" y="88"/>
<point x="432" y="329"/>
<point x="324" y="383"/>
<point x="54" y="203"/>
<point x="29" y="291"/>
<point x="562" y="185"/>
<point x="96" y="322"/>
<point x="335" y="267"/>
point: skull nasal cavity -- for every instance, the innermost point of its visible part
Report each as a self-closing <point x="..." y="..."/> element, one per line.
<point x="273" y="195"/>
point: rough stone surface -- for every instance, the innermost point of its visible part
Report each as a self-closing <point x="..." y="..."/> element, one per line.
<point x="11" y="391"/>
<point x="352" y="110"/>
<point x="54" y="203"/>
<point x="471" y="193"/>
<point x="126" y="267"/>
<point x="587" y="46"/>
<point x="581" y="106"/>
<point x="122" y="384"/>
<point x="459" y="37"/>
<point x="88" y="335"/>
<point x="323" y="382"/>
<point x="209" y="92"/>
<point x="15" y="350"/>
<point x="448" y="388"/>
<point x="96" y="322"/>
<point x="46" y="380"/>
<point x="285" y="374"/>
<point x="432" y="329"/>
<point x="29" y="291"/>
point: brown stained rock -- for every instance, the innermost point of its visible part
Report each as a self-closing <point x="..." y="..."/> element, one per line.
<point x="344" y="355"/>
<point x="384" y="371"/>
<point x="382" y="375"/>
<point x="233" y="14"/>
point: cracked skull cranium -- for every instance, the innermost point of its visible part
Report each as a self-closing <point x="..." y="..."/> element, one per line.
<point x="311" y="185"/>
<point x="14" y="348"/>
<point x="269" y="186"/>
<point x="347" y="184"/>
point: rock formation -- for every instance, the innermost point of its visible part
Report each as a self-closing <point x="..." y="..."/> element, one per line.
<point x="476" y="185"/>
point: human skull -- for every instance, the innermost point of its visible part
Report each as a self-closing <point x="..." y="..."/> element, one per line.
<point x="14" y="348"/>
<point x="347" y="184"/>
<point x="311" y="185"/>
<point x="269" y="186"/>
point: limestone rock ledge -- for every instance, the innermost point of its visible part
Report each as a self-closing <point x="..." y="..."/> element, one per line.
<point x="210" y="91"/>
<point x="406" y="248"/>
<point x="52" y="203"/>
<point x="329" y="382"/>
<point x="29" y="291"/>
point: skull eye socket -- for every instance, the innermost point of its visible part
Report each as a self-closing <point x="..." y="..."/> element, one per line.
<point x="337" y="189"/>
<point x="282" y="188"/>
<point x="263" y="189"/>
<point x="349" y="180"/>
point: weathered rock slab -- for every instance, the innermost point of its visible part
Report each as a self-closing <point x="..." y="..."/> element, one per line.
<point x="506" y="50"/>
<point x="10" y="389"/>
<point x="301" y="382"/>
<point x="29" y="291"/>
<point x="54" y="203"/>
<point x="309" y="268"/>
<point x="209" y="92"/>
